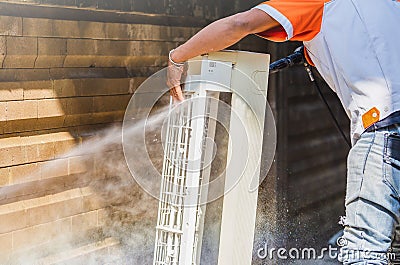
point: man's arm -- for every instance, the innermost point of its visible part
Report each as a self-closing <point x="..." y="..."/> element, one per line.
<point x="224" y="33"/>
<point x="215" y="37"/>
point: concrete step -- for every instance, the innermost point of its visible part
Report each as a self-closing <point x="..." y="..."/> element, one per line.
<point x="38" y="148"/>
<point x="48" y="104"/>
<point x="33" y="115"/>
<point x="39" y="176"/>
<point x="43" y="226"/>
<point x="40" y="227"/>
<point x="102" y="252"/>
<point x="24" y="217"/>
<point x="48" y="155"/>
<point x="81" y="249"/>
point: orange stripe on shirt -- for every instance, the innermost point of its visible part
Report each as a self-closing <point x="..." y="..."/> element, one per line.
<point x="305" y="17"/>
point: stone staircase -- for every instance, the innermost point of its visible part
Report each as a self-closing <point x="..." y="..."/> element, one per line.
<point x="68" y="209"/>
<point x="47" y="201"/>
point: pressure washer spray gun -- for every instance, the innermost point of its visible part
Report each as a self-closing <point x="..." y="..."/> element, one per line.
<point x="296" y="58"/>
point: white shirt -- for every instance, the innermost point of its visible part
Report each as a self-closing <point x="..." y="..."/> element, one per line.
<point x="354" y="44"/>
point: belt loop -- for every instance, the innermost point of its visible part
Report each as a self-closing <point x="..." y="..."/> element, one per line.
<point x="371" y="128"/>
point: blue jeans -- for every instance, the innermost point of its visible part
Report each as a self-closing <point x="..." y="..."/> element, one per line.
<point x="372" y="197"/>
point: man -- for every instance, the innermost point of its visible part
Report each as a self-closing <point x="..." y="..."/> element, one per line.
<point x="354" y="44"/>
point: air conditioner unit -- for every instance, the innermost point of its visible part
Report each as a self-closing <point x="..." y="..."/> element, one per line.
<point x="188" y="184"/>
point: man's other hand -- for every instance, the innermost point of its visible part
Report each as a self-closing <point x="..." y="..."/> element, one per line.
<point x="174" y="76"/>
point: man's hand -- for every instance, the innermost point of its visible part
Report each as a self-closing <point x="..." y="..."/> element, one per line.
<point x="174" y="75"/>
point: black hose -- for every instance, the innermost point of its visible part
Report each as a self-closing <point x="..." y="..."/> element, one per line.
<point x="336" y="122"/>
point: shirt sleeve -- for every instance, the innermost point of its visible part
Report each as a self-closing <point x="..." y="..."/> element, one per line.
<point x="300" y="20"/>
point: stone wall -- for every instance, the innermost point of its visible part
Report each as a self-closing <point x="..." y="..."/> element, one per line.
<point x="62" y="82"/>
<point x="67" y="73"/>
